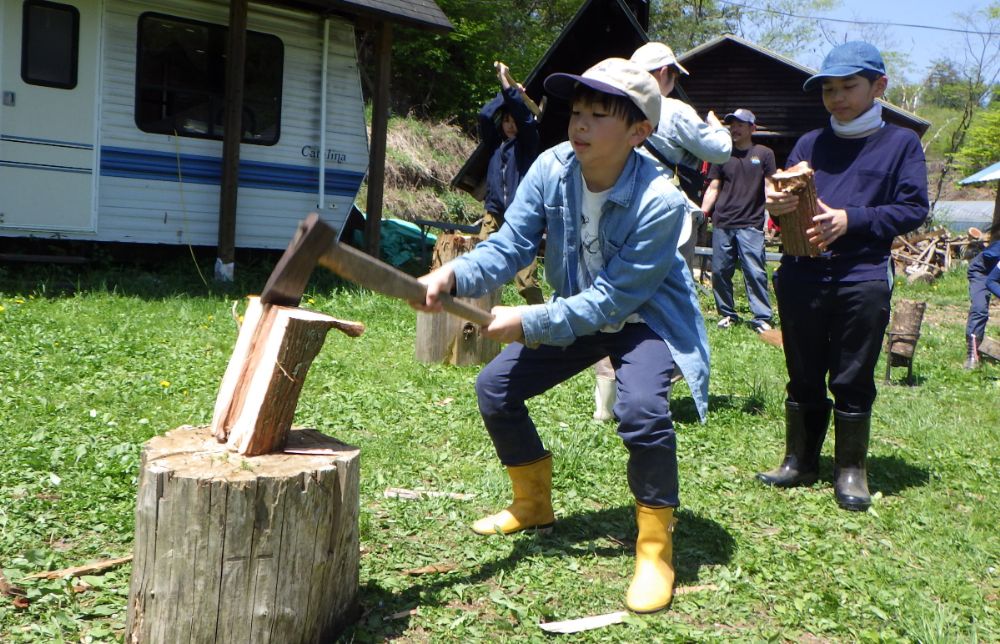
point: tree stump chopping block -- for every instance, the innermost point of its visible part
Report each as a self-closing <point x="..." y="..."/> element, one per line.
<point x="235" y="549"/>
<point x="442" y="337"/>
<point x="902" y="336"/>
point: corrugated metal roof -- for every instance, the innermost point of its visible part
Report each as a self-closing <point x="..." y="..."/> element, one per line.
<point x="423" y="14"/>
<point x="991" y="173"/>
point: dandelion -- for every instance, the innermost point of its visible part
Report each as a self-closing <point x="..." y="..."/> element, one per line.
<point x="1" y="308"/>
<point x="18" y="300"/>
<point x="311" y="301"/>
<point x="164" y="383"/>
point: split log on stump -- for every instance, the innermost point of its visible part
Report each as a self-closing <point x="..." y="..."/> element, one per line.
<point x="233" y="549"/>
<point x="798" y="180"/>
<point x="261" y="387"/>
<point x="442" y="337"/>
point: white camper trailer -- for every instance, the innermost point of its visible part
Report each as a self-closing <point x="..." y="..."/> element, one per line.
<point x="111" y="127"/>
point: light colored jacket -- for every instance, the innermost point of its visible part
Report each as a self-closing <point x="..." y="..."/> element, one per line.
<point x="643" y="272"/>
<point x="682" y="137"/>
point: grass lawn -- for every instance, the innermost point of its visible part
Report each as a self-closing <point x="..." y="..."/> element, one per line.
<point x="97" y="361"/>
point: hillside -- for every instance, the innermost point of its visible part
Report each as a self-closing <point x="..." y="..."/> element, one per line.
<point x="421" y="159"/>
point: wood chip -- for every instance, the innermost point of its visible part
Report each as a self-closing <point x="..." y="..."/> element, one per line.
<point x="401" y="615"/>
<point x="431" y="569"/>
<point x="772" y="337"/>
<point x="97" y="566"/>
<point x="584" y="623"/>
<point x="417" y="495"/>
<point x="685" y="590"/>
<point x="6" y="588"/>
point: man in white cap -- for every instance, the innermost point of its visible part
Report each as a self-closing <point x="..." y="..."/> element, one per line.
<point x="680" y="138"/>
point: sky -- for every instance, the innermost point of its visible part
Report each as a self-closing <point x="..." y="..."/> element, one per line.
<point x="922" y="46"/>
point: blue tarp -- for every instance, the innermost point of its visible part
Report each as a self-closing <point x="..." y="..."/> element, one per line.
<point x="403" y="245"/>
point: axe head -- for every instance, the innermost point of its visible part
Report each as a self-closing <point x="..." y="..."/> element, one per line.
<point x="291" y="274"/>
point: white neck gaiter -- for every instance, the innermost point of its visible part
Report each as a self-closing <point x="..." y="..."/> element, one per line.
<point x="864" y="125"/>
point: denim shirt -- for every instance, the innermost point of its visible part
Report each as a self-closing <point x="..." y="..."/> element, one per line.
<point x="682" y="137"/>
<point x="643" y="271"/>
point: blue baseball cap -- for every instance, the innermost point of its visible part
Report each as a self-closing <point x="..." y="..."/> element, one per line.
<point x="846" y="60"/>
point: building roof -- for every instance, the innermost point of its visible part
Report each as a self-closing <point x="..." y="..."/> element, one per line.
<point x="729" y="72"/>
<point x="421" y="14"/>
<point x="991" y="173"/>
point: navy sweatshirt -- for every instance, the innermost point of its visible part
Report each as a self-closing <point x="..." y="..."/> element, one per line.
<point x="987" y="265"/>
<point x="511" y="158"/>
<point x="881" y="181"/>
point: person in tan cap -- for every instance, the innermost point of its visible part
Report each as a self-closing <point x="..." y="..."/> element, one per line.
<point x="680" y="138"/>
<point x="608" y="213"/>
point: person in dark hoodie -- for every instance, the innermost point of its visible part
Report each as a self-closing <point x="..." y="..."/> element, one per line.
<point x="871" y="184"/>
<point x="515" y="147"/>
<point x="984" y="280"/>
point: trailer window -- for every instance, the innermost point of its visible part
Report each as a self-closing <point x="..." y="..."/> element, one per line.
<point x="180" y="80"/>
<point x="50" y="44"/>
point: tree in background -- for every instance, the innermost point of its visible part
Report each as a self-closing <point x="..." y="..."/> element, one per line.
<point x="977" y="77"/>
<point x="450" y="76"/>
<point x="982" y="142"/>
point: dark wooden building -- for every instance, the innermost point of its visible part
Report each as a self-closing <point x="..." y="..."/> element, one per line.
<point x="729" y="72"/>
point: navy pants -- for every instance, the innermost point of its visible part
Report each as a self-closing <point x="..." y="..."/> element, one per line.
<point x="836" y="330"/>
<point x="643" y="367"/>
<point x="979" y="302"/>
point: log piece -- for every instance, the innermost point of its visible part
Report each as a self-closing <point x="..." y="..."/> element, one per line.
<point x="798" y="180"/>
<point x="262" y="549"/>
<point x="989" y="349"/>
<point x="260" y="389"/>
<point x="442" y="337"/>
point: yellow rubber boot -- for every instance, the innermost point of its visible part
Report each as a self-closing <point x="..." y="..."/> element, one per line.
<point x="652" y="586"/>
<point x="532" y="506"/>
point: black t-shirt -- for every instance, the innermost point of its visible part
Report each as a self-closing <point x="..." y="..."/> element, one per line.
<point x="741" y="196"/>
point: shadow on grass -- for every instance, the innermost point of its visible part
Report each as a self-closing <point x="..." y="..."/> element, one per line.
<point x="144" y="271"/>
<point x="698" y="542"/>
<point x="889" y="475"/>
<point x="682" y="409"/>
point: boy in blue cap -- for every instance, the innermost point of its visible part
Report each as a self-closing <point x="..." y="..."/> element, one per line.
<point x="871" y="183"/>
<point x="984" y="279"/>
<point x="609" y="214"/>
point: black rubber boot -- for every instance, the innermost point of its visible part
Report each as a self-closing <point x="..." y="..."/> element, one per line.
<point x="850" y="486"/>
<point x="972" y="352"/>
<point x="805" y="430"/>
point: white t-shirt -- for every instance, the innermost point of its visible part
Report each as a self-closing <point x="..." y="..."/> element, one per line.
<point x="592" y="263"/>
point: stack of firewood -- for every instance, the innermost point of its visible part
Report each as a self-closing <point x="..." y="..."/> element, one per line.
<point x="924" y="256"/>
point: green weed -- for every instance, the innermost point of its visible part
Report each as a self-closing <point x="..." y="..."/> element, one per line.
<point x="97" y="361"/>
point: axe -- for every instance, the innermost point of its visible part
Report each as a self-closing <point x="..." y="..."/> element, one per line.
<point x="316" y="243"/>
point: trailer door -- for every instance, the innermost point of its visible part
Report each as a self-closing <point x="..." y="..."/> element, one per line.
<point x="48" y="124"/>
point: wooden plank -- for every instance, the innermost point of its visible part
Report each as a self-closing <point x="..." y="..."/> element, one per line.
<point x="380" y="127"/>
<point x="233" y="132"/>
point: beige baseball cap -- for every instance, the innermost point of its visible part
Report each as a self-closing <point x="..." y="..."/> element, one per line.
<point x="654" y="55"/>
<point x="615" y="76"/>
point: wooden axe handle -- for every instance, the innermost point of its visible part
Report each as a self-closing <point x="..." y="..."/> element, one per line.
<point x="531" y="105"/>
<point x="356" y="266"/>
